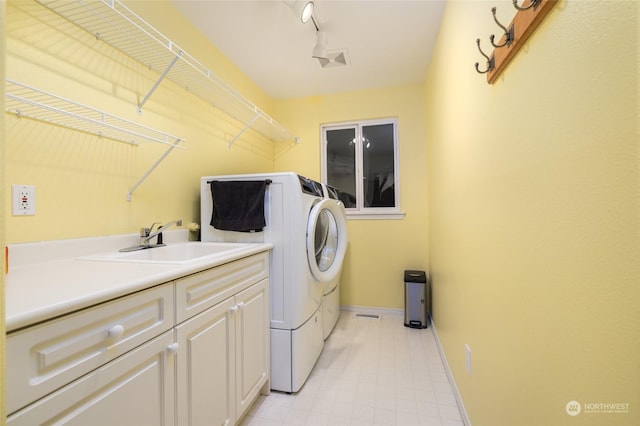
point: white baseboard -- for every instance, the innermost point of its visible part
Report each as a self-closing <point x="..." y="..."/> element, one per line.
<point x="456" y="392"/>
<point x="373" y="311"/>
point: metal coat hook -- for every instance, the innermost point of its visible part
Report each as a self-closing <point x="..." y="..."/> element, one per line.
<point x="508" y="33"/>
<point x="490" y="60"/>
<point x="532" y="4"/>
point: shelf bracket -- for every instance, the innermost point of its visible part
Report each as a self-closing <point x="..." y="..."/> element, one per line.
<point x="152" y="168"/>
<point x="157" y="83"/>
<point x="244" y="129"/>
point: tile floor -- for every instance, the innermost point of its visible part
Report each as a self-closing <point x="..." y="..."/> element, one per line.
<point x="371" y="372"/>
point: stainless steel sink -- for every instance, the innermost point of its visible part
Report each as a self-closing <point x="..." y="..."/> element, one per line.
<point x="177" y="253"/>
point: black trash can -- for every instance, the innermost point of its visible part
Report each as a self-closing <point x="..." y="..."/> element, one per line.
<point x="416" y="299"/>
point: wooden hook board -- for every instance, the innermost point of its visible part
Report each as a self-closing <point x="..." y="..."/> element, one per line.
<point x="524" y="24"/>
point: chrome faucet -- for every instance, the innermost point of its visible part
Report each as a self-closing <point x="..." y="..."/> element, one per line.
<point x="146" y="234"/>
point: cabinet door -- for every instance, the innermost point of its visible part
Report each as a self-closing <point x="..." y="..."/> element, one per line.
<point x="206" y="365"/>
<point x="252" y="343"/>
<point x="136" y="389"/>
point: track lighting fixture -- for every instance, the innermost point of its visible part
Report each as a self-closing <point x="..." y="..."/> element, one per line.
<point x="303" y="9"/>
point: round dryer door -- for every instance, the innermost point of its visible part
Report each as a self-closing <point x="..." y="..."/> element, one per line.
<point x="326" y="239"/>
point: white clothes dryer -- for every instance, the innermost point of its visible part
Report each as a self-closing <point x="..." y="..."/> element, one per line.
<point x="292" y="211"/>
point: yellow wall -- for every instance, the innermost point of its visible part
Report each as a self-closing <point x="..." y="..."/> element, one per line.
<point x="82" y="180"/>
<point x="379" y="250"/>
<point x="532" y="222"/>
<point x="2" y="209"/>
<point x="534" y="214"/>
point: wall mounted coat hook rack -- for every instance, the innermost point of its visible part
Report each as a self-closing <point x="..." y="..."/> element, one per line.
<point x="532" y="4"/>
<point x="508" y="33"/>
<point x="528" y="17"/>
<point x="490" y="60"/>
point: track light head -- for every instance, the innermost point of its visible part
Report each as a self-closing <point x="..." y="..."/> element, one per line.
<point x="307" y="12"/>
<point x="302" y="9"/>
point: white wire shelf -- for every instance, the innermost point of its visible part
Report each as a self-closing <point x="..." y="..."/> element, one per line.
<point x="114" y="23"/>
<point x="26" y="101"/>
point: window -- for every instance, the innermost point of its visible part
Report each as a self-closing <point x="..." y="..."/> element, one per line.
<point x="361" y="160"/>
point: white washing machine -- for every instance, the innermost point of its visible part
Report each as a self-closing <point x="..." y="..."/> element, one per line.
<point x="331" y="293"/>
<point x="294" y="207"/>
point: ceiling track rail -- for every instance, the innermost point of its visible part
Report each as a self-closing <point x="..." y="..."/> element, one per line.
<point x="26" y="101"/>
<point x="115" y="24"/>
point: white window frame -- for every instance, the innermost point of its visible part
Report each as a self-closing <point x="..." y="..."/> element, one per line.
<point x="360" y="211"/>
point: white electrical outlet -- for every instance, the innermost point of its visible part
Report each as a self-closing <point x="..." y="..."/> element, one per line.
<point x="467" y="350"/>
<point x="24" y="200"/>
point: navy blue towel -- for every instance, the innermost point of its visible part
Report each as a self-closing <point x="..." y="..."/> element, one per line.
<point x="238" y="205"/>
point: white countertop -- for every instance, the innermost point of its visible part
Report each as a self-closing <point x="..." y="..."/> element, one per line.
<point x="46" y="280"/>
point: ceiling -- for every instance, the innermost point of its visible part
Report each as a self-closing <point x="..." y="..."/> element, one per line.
<point x="387" y="42"/>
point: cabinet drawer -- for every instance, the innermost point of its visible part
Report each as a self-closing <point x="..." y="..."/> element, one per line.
<point x="45" y="357"/>
<point x="200" y="291"/>
<point x="137" y="388"/>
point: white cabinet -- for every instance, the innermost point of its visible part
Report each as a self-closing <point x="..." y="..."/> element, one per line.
<point x="136" y="389"/>
<point x="223" y="360"/>
<point x="45" y="357"/>
<point x="190" y="352"/>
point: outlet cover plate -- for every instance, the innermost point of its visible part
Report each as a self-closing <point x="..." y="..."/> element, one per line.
<point x="23" y="200"/>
